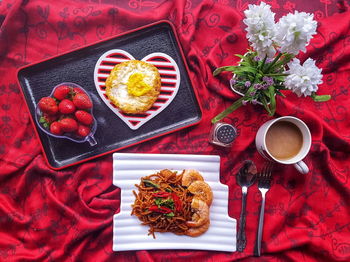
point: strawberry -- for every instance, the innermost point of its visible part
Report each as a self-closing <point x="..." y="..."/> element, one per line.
<point x="56" y="128"/>
<point x="49" y="118"/>
<point x="46" y="120"/>
<point x="84" y="117"/>
<point x="77" y="90"/>
<point x="68" y="125"/>
<point x="82" y="101"/>
<point x="61" y="92"/>
<point x="48" y="105"/>
<point x="66" y="106"/>
<point x="83" y="131"/>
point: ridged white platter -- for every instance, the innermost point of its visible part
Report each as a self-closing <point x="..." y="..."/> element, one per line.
<point x="129" y="234"/>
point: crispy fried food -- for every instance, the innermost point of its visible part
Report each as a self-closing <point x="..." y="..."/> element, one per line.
<point x="133" y="86"/>
<point x="189" y="176"/>
<point x="202" y="191"/>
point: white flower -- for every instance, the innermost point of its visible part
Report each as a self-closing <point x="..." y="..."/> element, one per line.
<point x="303" y="79"/>
<point x="260" y="21"/>
<point x="294" y="32"/>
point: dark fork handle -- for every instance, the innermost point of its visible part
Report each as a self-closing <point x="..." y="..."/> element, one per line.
<point x="257" y="247"/>
<point x="241" y="236"/>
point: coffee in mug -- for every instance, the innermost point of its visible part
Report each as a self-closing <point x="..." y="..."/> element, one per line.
<point x="285" y="140"/>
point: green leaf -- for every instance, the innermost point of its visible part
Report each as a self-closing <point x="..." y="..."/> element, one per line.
<point x="240" y="56"/>
<point x="251" y="78"/>
<point x="283" y="61"/>
<point x="245" y="69"/>
<point x="251" y="61"/>
<point x="158" y="201"/>
<point x="322" y="98"/>
<point x="44" y="123"/>
<point x="222" y="69"/>
<point x="272" y="100"/>
<point x="168" y="203"/>
<point x="171" y="214"/>
<point x="149" y="183"/>
<point x="42" y="120"/>
<point x="265" y="104"/>
<point x="279" y="78"/>
<point x="262" y="64"/>
<point x="276" y="75"/>
<point x="243" y="64"/>
<point x="227" y="111"/>
<point x="270" y="65"/>
<point x="266" y="93"/>
<point x="164" y="202"/>
<point x="280" y="87"/>
<point x="246" y="60"/>
<point x="280" y="93"/>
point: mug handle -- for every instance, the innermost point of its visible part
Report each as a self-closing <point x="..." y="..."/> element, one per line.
<point x="301" y="167"/>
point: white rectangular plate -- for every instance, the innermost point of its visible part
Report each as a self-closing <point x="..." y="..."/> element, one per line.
<point x="129" y="234"/>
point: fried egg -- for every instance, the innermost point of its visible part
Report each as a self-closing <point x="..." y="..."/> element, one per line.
<point x="133" y="86"/>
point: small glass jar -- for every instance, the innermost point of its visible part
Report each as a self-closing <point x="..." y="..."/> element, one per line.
<point x="222" y="134"/>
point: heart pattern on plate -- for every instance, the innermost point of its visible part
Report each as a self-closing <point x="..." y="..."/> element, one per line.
<point x="170" y="82"/>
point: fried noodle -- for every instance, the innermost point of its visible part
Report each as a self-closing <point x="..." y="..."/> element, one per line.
<point x="163" y="203"/>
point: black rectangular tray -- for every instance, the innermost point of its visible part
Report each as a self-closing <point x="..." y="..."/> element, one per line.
<point x="112" y="134"/>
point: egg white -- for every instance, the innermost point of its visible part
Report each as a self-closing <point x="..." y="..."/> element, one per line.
<point x="117" y="89"/>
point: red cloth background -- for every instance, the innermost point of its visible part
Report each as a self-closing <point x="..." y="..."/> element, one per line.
<point x="66" y="215"/>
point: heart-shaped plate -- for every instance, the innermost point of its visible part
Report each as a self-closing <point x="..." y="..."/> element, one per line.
<point x="170" y="82"/>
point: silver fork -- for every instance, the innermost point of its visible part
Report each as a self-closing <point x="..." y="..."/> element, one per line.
<point x="264" y="184"/>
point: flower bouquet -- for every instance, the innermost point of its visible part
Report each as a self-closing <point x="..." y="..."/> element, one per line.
<point x="270" y="66"/>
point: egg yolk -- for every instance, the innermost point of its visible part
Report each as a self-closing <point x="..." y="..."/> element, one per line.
<point x="136" y="85"/>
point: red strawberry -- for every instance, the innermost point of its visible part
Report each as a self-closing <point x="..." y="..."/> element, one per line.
<point x="66" y="106"/>
<point x="84" y="117"/>
<point x="46" y="120"/>
<point x="68" y="125"/>
<point x="48" y="105"/>
<point x="56" y="128"/>
<point x="61" y="92"/>
<point x="49" y="118"/>
<point x="82" y="101"/>
<point x="77" y="90"/>
<point x="83" y="131"/>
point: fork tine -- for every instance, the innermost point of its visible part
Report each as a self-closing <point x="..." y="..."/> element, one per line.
<point x="266" y="170"/>
<point x="269" y="170"/>
<point x="262" y="172"/>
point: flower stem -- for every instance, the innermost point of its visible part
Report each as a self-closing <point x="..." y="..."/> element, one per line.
<point x="228" y="110"/>
<point x="263" y="63"/>
<point x="273" y="62"/>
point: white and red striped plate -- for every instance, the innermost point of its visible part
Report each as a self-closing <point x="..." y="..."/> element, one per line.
<point x="170" y="82"/>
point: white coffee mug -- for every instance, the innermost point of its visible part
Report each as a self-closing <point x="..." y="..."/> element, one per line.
<point x="296" y="160"/>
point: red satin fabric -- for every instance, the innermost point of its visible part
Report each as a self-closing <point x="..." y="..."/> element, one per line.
<point x="48" y="215"/>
